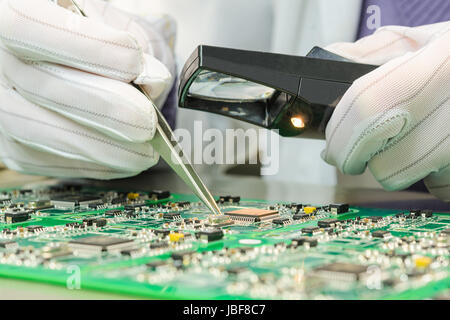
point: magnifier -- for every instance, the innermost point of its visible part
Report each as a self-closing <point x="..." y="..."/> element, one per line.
<point x="294" y="94"/>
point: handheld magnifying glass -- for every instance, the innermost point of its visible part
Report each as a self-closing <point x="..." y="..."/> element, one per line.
<point x="294" y="94"/>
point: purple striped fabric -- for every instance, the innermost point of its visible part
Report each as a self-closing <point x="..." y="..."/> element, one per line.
<point x="409" y="13"/>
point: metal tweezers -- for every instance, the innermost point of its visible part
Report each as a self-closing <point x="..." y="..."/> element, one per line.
<point x="165" y="143"/>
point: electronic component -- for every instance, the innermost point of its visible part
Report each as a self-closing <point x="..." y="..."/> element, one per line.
<point x="381" y="234"/>
<point x="159" y="245"/>
<point x="8" y="245"/>
<point x="229" y="199"/>
<point x="113" y="213"/>
<point x="176" y="237"/>
<point x="281" y="221"/>
<point x="219" y="221"/>
<point x="309" y="210"/>
<point x="339" y="208"/>
<point x="39" y="204"/>
<point x="300" y="216"/>
<point x="194" y="254"/>
<point x="341" y="271"/>
<point x="133" y="206"/>
<point x="326" y="223"/>
<point x="34" y="228"/>
<point x="252" y="215"/>
<point x="310" y="230"/>
<point x="158" y="194"/>
<point x="305" y="240"/>
<point x="210" y="235"/>
<point x="73" y="201"/>
<point x="17" y="216"/>
<point x="97" y="244"/>
<point x="171" y="216"/>
<point x="375" y="218"/>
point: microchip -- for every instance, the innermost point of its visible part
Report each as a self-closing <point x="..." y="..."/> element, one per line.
<point x="281" y="221"/>
<point x="100" y="222"/>
<point x="427" y="213"/>
<point x="171" y="216"/>
<point x="162" y="232"/>
<point x="310" y="230"/>
<point x="134" y="206"/>
<point x="8" y="244"/>
<point x="159" y="245"/>
<point x="95" y="243"/>
<point x="217" y="221"/>
<point x="14" y="217"/>
<point x="130" y="213"/>
<point x="129" y="252"/>
<point x="74" y="225"/>
<point x="339" y="208"/>
<point x="296" y="206"/>
<point x="326" y="223"/>
<point x="158" y="194"/>
<point x="113" y="213"/>
<point x="252" y="215"/>
<point x="381" y="234"/>
<point x="210" y="235"/>
<point x="230" y="199"/>
<point x="34" y="228"/>
<point x="375" y="218"/>
<point x="305" y="240"/>
<point x="73" y="201"/>
<point x="234" y="271"/>
<point x="89" y="221"/>
<point x="300" y="216"/>
<point x="39" y="204"/>
<point x="341" y="271"/>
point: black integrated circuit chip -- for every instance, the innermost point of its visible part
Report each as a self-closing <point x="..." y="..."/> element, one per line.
<point x="310" y="230"/>
<point x="326" y="223"/>
<point x="381" y="234"/>
<point x="210" y="235"/>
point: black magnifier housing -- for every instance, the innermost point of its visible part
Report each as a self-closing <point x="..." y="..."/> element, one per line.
<point x="294" y="94"/>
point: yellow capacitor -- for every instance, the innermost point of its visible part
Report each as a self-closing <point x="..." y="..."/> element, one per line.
<point x="309" y="210"/>
<point x="422" y="262"/>
<point x="132" y="196"/>
<point x="175" y="237"/>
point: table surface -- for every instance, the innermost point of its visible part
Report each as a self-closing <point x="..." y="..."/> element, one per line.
<point x="246" y="186"/>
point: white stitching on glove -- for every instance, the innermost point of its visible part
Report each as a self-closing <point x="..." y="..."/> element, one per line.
<point x="396" y="119"/>
<point x="66" y="106"/>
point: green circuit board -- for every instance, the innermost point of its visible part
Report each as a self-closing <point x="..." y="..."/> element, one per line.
<point x="161" y="245"/>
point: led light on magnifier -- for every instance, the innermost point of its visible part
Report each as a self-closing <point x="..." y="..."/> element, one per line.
<point x="298" y="122"/>
<point x="218" y="86"/>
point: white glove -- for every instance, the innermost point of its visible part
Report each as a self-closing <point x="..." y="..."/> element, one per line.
<point x="66" y="106"/>
<point x="396" y="119"/>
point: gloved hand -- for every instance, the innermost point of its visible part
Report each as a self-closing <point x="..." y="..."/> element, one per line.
<point x="66" y="106"/>
<point x="396" y="119"/>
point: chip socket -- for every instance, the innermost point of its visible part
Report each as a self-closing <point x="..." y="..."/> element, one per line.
<point x="97" y="244"/>
<point x="252" y="215"/>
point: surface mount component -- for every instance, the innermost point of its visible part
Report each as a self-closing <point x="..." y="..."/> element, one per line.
<point x="252" y="215"/>
<point x="99" y="244"/>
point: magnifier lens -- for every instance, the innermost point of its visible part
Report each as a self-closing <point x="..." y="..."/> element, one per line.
<point x="210" y="85"/>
